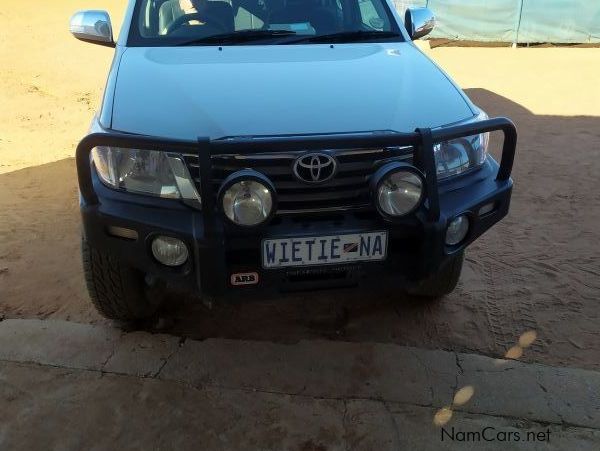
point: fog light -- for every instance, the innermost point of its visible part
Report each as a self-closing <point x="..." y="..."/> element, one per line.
<point x="247" y="198"/>
<point x="398" y="189"/>
<point x="457" y="230"/>
<point x="170" y="251"/>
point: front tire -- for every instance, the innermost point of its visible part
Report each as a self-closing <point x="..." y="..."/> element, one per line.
<point x="440" y="283"/>
<point x="116" y="289"/>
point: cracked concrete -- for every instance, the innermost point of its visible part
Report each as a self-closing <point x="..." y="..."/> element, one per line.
<point x="574" y="396"/>
<point x="501" y="433"/>
<point x="60" y="344"/>
<point x="141" y="354"/>
<point x="345" y="424"/>
<point x="541" y="393"/>
<point x="459" y="373"/>
<point x="311" y="395"/>
<point x="396" y="435"/>
<point x="315" y="368"/>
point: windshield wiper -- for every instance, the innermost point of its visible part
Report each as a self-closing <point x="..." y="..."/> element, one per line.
<point x="238" y="36"/>
<point x="347" y="36"/>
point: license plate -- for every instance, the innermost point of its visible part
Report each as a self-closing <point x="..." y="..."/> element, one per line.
<point x="324" y="250"/>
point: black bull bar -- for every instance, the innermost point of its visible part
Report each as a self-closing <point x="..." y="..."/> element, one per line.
<point x="422" y="140"/>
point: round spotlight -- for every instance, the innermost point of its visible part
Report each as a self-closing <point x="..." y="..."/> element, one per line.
<point x="169" y="251"/>
<point x="399" y="189"/>
<point x="457" y="230"/>
<point x="247" y="198"/>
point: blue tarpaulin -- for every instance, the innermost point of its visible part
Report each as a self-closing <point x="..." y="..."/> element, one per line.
<point x="520" y="21"/>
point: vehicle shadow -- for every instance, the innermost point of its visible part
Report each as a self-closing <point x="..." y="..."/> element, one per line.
<point x="536" y="271"/>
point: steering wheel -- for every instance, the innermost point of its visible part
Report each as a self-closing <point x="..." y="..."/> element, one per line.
<point x="182" y="20"/>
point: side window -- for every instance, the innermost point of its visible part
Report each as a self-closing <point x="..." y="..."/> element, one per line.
<point x="245" y="20"/>
<point x="373" y="15"/>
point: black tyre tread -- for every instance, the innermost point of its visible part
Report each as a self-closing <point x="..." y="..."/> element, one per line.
<point x="441" y="283"/>
<point x="115" y="289"/>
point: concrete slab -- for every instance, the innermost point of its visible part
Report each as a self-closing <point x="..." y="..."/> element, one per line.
<point x="54" y="408"/>
<point x="573" y="394"/>
<point x="370" y="425"/>
<point x="58" y="343"/>
<point x="537" y="392"/>
<point x="509" y="387"/>
<point x="416" y="430"/>
<point x="45" y="408"/>
<point x="319" y="368"/>
<point x="351" y="373"/>
<point x="141" y="354"/>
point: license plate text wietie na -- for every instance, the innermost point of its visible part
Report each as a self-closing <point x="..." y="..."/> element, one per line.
<point x="324" y="250"/>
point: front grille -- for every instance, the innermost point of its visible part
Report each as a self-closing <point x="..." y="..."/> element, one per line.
<point x="348" y="190"/>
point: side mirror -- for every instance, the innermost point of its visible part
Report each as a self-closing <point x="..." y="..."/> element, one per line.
<point x="419" y="22"/>
<point x="92" y="26"/>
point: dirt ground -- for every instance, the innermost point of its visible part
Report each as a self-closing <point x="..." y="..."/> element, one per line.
<point x="530" y="287"/>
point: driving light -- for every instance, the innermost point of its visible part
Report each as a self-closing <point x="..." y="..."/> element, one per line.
<point x="170" y="251"/>
<point x="148" y="172"/>
<point x="247" y="198"/>
<point x="457" y="230"/>
<point x="398" y="189"/>
<point x="461" y="155"/>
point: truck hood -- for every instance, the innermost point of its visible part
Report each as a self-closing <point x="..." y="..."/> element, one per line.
<point x="189" y="92"/>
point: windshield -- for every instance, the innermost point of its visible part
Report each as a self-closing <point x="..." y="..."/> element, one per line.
<point x="231" y="22"/>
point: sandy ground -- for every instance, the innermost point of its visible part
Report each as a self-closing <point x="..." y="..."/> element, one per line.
<point x="50" y="83"/>
<point x="530" y="286"/>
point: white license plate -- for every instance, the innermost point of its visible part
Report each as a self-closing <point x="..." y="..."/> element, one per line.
<point x="324" y="250"/>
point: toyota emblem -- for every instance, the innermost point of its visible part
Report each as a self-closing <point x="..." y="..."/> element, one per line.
<point x="317" y="167"/>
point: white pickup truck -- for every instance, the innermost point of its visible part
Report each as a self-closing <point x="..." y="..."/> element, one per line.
<point x="251" y="145"/>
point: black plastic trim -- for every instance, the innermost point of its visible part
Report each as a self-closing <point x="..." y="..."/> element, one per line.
<point x="211" y="233"/>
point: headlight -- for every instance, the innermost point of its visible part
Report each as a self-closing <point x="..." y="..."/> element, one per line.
<point x="461" y="155"/>
<point x="398" y="189"/>
<point x="247" y="198"/>
<point x="147" y="172"/>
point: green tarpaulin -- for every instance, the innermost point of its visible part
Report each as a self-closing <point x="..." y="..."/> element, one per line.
<point x="522" y="21"/>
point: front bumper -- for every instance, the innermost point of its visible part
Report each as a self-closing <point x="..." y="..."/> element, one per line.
<point x="217" y="249"/>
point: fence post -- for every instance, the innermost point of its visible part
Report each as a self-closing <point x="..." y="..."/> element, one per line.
<point x="518" y="24"/>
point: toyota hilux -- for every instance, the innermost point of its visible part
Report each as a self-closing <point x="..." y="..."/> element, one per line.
<point x="248" y="146"/>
